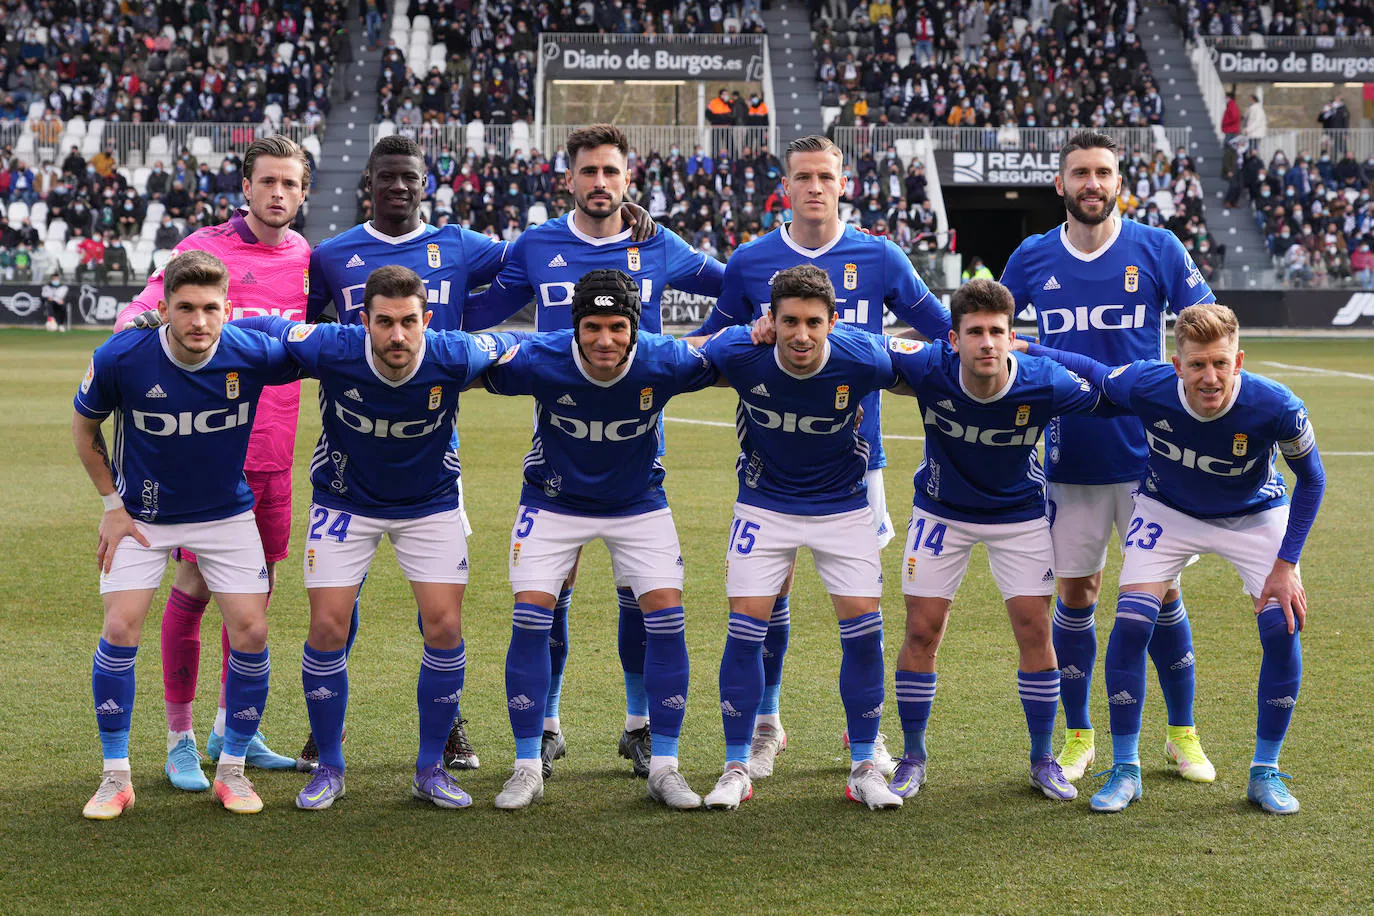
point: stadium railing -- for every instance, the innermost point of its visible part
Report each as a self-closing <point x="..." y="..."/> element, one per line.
<point x="1209" y="84"/>
<point x="136" y="144"/>
<point x="505" y="139"/>
<point x="854" y="140"/>
<point x="1256" y="42"/>
<point x="1312" y="140"/>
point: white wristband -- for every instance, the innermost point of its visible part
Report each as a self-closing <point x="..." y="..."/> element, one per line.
<point x="112" y="501"/>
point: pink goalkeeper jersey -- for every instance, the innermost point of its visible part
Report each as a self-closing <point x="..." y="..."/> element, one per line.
<point x="262" y="281"/>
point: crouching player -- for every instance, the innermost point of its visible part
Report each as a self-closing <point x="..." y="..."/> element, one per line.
<point x="183" y="398"/>
<point x="983" y="409"/>
<point x="801" y="473"/>
<point x="593" y="472"/>
<point x="1211" y="487"/>
<point x="383" y="466"/>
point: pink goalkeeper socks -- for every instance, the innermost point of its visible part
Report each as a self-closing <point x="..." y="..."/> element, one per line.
<point x="180" y="657"/>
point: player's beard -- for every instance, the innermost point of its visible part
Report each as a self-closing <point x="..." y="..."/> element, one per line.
<point x="1077" y="212"/>
<point x="191" y="346"/>
<point x="585" y="205"/>
<point x="273" y="220"/>
<point x="385" y="354"/>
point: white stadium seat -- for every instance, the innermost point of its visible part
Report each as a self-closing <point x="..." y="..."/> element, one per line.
<point x="57" y="231"/>
<point x="141" y="259"/>
<point x="538" y="215"/>
<point x="76" y="127"/>
<point x="285" y="51"/>
<point x="420" y="23"/>
<point x="160" y="258"/>
<point x="148" y="231"/>
<point x="36" y="109"/>
<point x="476" y="136"/>
<point x="69" y="259"/>
<point x="201" y="147"/>
<point x="520" y="136"/>
<point x="154" y="213"/>
<point x="39" y="213"/>
<point x="444" y="195"/>
<point x="385" y="128"/>
<point x="140" y="181"/>
<point x="312" y="143"/>
<point x="158" y="149"/>
<point x="18" y="212"/>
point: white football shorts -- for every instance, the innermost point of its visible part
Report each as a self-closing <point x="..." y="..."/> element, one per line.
<point x="763" y="545"/>
<point x="229" y="552"/>
<point x="877" y="504"/>
<point x="1081" y="519"/>
<point x="339" y="547"/>
<point x="1160" y="541"/>
<point x="645" y="554"/>
<point x="937" y="553"/>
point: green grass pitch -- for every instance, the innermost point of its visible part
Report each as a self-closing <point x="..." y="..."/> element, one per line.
<point x="976" y="839"/>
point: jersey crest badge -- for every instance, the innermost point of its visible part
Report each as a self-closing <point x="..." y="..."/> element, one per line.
<point x="1132" y="278"/>
<point x="433" y="250"/>
<point x="646" y="398"/>
<point x="305" y="281"/>
<point x="435" y="395"/>
<point x="1023" y="415"/>
<point x="1240" y="445"/>
<point x="841" y="397"/>
<point x="231" y="385"/>
<point x="851" y="276"/>
<point x="632" y="259"/>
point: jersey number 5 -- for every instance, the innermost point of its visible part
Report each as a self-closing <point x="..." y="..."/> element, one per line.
<point x="742" y="536"/>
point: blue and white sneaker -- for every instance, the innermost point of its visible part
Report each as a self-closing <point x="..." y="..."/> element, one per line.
<point x="326" y="785"/>
<point x="1047" y="776"/>
<point x="434" y="784"/>
<point x="183" y="766"/>
<point x="1122" y="787"/>
<point x="909" y="776"/>
<point x="1267" y="790"/>
<point x="258" y="754"/>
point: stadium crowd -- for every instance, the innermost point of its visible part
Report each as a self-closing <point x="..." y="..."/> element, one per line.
<point x="1236" y="18"/>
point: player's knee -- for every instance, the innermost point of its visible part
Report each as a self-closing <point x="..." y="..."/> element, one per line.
<point x="249" y="637"/>
<point x="120" y="630"/>
<point x="444" y="632"/>
<point x="923" y="635"/>
<point x="1080" y="591"/>
<point x="328" y="634"/>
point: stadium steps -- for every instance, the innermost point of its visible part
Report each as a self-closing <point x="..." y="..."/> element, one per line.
<point x="796" y="94"/>
<point x="1183" y="107"/>
<point x="346" y="141"/>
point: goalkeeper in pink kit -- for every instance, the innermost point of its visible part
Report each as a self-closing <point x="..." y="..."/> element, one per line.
<point x="268" y="275"/>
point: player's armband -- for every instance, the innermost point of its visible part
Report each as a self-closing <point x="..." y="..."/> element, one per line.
<point x="1296" y="448"/>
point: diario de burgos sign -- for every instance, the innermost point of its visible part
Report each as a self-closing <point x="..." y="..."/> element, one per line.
<point x="1315" y="65"/>
<point x="662" y="59"/>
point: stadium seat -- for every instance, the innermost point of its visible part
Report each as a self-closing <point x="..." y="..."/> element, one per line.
<point x="160" y="258"/>
<point x="418" y="24"/>
<point x="201" y="147"/>
<point x="475" y="136"/>
<point x="443" y="195"/>
<point x="312" y="144"/>
<point x="520" y="136"/>
<point x="155" y="211"/>
<point x="69" y="259"/>
<point x="538" y="215"/>
<point x="18" y="212"/>
<point x="273" y="113"/>
<point x="158" y="149"/>
<point x="438" y="55"/>
<point x="401" y="9"/>
<point x="39" y="214"/>
<point x="730" y="24"/>
<point x="54" y="247"/>
<point x="385" y="128"/>
<point x="57" y="231"/>
<point x="126" y="173"/>
<point x="148" y="231"/>
<point x="90" y="145"/>
<point x="903" y="57"/>
<point x="1019" y="26"/>
<point x="36" y="109"/>
<point x="24" y="146"/>
<point x="828" y="115"/>
<point x="76" y="127"/>
<point x="134" y="158"/>
<point x="400" y="33"/>
<point x="141" y="258"/>
<point x="285" y="51"/>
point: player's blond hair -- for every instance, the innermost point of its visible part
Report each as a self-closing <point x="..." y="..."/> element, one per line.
<point x="1206" y="323"/>
<point x="812" y="144"/>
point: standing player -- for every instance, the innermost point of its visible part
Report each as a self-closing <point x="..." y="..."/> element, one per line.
<point x="543" y="265"/>
<point x="183" y="399"/>
<point x="593" y="472"/>
<point x="981" y="482"/>
<point x="1210" y="486"/>
<point x="1100" y="285"/>
<point x="384" y="466"/>
<point x="871" y="273"/>
<point x="267" y="263"/>
<point x="801" y="471"/>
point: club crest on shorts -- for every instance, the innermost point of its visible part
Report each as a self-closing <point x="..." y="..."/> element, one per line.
<point x="851" y="276"/>
<point x="911" y="569"/>
<point x="1132" y="278"/>
<point x="1240" y="445"/>
<point x="310" y="560"/>
<point x="646" y="398"/>
<point x="433" y="251"/>
<point x="231" y="385"/>
<point x="435" y="395"/>
<point x="632" y="259"/>
<point x="1023" y="415"/>
<point x="515" y="554"/>
<point x="841" y="397"/>
<point x="305" y="281"/>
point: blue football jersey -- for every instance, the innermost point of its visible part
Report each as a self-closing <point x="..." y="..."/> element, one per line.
<point x="1219" y="466"/>
<point x="980" y="454"/>
<point x="547" y="261"/>
<point x="596" y="444"/>
<point x="868" y="273"/>
<point x="1108" y="305"/>
<point x="386" y="448"/>
<point x="181" y="432"/>
<point x="800" y="450"/>
<point x="451" y="260"/>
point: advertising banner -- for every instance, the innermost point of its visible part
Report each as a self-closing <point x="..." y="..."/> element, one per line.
<point x="1005" y="168"/>
<point x="89" y="304"/>
<point x="663" y="58"/>
<point x="1314" y="65"/>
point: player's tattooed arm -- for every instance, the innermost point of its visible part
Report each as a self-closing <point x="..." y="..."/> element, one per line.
<point x="642" y="225"/>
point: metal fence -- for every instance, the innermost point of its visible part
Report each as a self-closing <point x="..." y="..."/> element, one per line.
<point x="1313" y="140"/>
<point x="1255" y="42"/>
<point x="603" y="39"/>
<point x="505" y="139"/>
<point x="855" y="140"/>
<point x="136" y="144"/>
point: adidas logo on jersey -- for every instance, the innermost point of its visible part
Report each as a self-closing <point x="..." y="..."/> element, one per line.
<point x="567" y="401"/>
<point x="761" y="390"/>
<point x="321" y="693"/>
<point x="1072" y="673"/>
<point x="156" y="392"/>
<point x="249" y="278"/>
<point x="250" y="714"/>
<point x="1282" y="702"/>
<point x="1164" y="426"/>
<point x="558" y="261"/>
<point x="354" y="261"/>
<point x="1184" y="662"/>
<point x="111" y="708"/>
<point x="452" y="698"/>
<point x="1121" y="698"/>
<point x="676" y="701"/>
<point x="946" y="404"/>
<point x="353" y="393"/>
<point x="729" y="709"/>
<point x="1051" y="283"/>
<point x="520" y="702"/>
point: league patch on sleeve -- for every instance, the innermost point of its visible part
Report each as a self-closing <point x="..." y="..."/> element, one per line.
<point x="1114" y="373"/>
<point x="508" y="355"/>
<point x="904" y="345"/>
<point x="90" y="377"/>
<point x="300" y="332"/>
